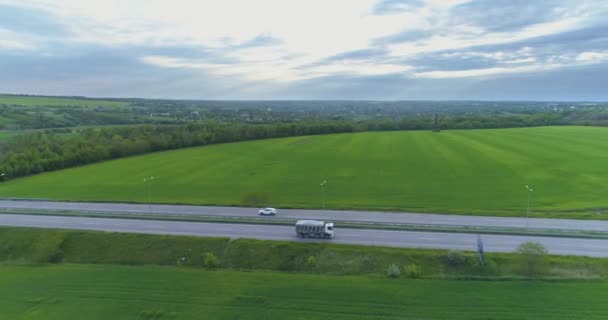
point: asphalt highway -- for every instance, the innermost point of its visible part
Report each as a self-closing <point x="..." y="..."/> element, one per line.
<point x="409" y="239"/>
<point x="330" y="215"/>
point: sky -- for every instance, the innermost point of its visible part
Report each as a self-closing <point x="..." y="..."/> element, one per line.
<point x="307" y="49"/>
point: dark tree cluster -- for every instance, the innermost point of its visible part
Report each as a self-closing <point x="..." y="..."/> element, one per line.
<point x="41" y="151"/>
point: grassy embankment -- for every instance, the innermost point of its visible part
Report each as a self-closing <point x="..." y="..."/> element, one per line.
<point x="468" y="172"/>
<point x="26" y="246"/>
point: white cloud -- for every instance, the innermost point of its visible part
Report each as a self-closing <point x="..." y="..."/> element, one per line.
<point x="484" y="72"/>
<point x="279" y="71"/>
<point x="592" y="56"/>
<point x="12" y="41"/>
<point x="7" y="44"/>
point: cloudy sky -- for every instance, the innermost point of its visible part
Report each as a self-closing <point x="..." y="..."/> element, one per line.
<point x="307" y="49"/>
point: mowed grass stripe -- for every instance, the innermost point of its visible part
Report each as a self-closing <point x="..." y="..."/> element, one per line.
<point x="66" y="292"/>
<point x="466" y="171"/>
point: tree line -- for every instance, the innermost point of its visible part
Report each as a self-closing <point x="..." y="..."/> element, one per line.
<point x="64" y="148"/>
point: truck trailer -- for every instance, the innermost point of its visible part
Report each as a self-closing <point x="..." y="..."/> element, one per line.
<point x="315" y="229"/>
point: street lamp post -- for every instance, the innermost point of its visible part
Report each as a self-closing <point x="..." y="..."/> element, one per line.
<point x="323" y="184"/>
<point x="148" y="182"/>
<point x="530" y="190"/>
<point x="2" y="175"/>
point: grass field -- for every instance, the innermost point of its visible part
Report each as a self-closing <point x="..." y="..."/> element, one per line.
<point x="5" y="135"/>
<point x="118" y="292"/>
<point x="57" y="102"/>
<point x="468" y="171"/>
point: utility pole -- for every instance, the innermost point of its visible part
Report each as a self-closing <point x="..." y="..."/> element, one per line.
<point x="480" y="251"/>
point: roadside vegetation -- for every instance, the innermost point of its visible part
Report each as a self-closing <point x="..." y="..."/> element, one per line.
<point x="458" y="171"/>
<point x="43" y="246"/>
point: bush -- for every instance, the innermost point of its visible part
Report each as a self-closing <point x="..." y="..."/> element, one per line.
<point x="454" y="258"/>
<point x="256" y="199"/>
<point x="210" y="260"/>
<point x="183" y="261"/>
<point x="393" y="271"/>
<point x="56" y="256"/>
<point x="533" y="257"/>
<point x="311" y="262"/>
<point x="413" y="271"/>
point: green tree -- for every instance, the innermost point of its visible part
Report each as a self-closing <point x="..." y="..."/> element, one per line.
<point x="413" y="271"/>
<point x="533" y="257"/>
<point x="210" y="260"/>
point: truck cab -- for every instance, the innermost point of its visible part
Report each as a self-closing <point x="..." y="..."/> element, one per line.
<point x="329" y="229"/>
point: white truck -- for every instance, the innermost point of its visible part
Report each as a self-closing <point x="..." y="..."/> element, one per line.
<point x="315" y="229"/>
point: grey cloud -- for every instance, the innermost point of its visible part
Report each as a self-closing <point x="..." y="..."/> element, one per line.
<point x="584" y="83"/>
<point x="433" y="62"/>
<point x="396" y="6"/>
<point x="559" y="48"/>
<point x="262" y="40"/>
<point x="404" y="36"/>
<point x="576" y="83"/>
<point x="32" y="21"/>
<point x="364" y="54"/>
<point x="109" y="73"/>
<point x="546" y="47"/>
<point x="510" y="15"/>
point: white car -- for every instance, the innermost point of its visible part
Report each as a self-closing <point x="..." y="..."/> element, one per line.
<point x="268" y="212"/>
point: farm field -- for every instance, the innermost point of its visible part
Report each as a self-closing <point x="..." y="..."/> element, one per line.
<point x="468" y="171"/>
<point x="122" y="292"/>
<point x="57" y="102"/>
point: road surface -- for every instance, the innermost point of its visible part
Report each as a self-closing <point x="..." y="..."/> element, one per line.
<point x="332" y="215"/>
<point x="409" y="239"/>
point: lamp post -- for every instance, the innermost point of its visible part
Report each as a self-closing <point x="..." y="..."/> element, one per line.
<point x="323" y="184"/>
<point x="530" y="190"/>
<point x="2" y="175"/>
<point x="148" y="182"/>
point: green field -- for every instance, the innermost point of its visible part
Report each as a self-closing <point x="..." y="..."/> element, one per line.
<point x="467" y="171"/>
<point x="118" y="292"/>
<point x="5" y="135"/>
<point x="32" y="101"/>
